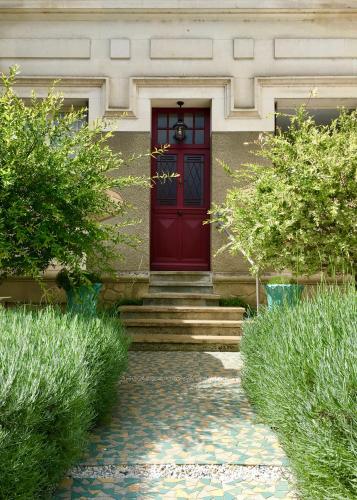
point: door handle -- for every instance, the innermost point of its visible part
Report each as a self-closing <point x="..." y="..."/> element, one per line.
<point x="179" y="212"/>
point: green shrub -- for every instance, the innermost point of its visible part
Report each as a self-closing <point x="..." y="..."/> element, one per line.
<point x="58" y="183"/>
<point x="125" y="301"/>
<point x="238" y="302"/>
<point x="113" y="309"/>
<point x="58" y="376"/>
<point x="301" y="374"/>
<point x="74" y="279"/>
<point x="232" y="302"/>
<point x="281" y="280"/>
<point x="296" y="208"/>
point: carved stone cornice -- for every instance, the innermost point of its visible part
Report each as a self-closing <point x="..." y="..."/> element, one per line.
<point x="182" y="6"/>
<point x="62" y="81"/>
<point x="306" y="81"/>
<point x="219" y="90"/>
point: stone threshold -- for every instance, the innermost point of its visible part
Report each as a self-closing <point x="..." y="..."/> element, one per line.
<point x="151" y="346"/>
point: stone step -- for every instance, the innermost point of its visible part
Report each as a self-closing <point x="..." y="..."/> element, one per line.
<point x="233" y="340"/>
<point x="157" y="277"/>
<point x="180" y="287"/>
<point x="181" y="299"/>
<point x="183" y="327"/>
<point x="181" y="312"/>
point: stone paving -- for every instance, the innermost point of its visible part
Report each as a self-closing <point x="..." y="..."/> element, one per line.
<point x="181" y="408"/>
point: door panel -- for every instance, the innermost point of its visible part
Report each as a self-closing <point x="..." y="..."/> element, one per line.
<point x="165" y="232"/>
<point x="195" y="239"/>
<point x="179" y="240"/>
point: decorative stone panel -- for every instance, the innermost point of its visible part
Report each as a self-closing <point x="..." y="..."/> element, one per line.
<point x="45" y="48"/>
<point x="120" y="48"/>
<point x="319" y="48"/>
<point x="181" y="48"/>
<point x="243" y="48"/>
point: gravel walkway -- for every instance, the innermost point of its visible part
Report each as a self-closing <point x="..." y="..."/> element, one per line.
<point x="183" y="428"/>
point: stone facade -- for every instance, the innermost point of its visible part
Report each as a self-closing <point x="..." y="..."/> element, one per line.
<point x="240" y="59"/>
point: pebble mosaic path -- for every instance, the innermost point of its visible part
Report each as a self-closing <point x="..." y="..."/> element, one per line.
<point x="182" y="428"/>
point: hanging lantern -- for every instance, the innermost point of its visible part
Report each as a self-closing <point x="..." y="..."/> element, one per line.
<point x="180" y="130"/>
<point x="180" y="127"/>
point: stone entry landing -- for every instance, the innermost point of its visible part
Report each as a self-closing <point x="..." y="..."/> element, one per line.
<point x="182" y="428"/>
<point x="181" y="308"/>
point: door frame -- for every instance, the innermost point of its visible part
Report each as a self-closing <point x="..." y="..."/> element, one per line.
<point x="181" y="149"/>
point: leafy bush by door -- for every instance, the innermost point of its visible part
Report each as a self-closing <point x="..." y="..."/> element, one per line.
<point x="297" y="209"/>
<point x="55" y="181"/>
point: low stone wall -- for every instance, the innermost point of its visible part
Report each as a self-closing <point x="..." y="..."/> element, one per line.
<point x="131" y="285"/>
<point x="237" y="285"/>
<point x="28" y="291"/>
<point x="244" y="286"/>
<point x="134" y="285"/>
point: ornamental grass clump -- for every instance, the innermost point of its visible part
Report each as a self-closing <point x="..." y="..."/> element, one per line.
<point x="301" y="375"/>
<point x="58" y="376"/>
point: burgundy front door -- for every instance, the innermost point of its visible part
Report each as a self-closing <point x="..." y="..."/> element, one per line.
<point x="179" y="239"/>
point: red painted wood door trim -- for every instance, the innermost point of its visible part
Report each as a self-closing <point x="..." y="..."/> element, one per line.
<point x="178" y="238"/>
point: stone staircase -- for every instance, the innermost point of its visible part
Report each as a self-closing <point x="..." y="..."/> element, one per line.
<point x="181" y="308"/>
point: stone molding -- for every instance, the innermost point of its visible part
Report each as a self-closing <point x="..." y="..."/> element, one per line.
<point x="183" y="6"/>
<point x="217" y="92"/>
<point x="63" y="81"/>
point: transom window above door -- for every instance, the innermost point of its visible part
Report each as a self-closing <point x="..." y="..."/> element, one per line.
<point x="196" y="127"/>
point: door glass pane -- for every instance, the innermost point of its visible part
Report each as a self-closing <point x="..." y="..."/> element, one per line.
<point x="166" y="193"/>
<point x="193" y="180"/>
<point x="188" y="137"/>
<point x="172" y="139"/>
<point x="172" y="119"/>
<point x="199" y="137"/>
<point x="188" y="119"/>
<point x="161" y="136"/>
<point x="200" y="119"/>
<point x="162" y="120"/>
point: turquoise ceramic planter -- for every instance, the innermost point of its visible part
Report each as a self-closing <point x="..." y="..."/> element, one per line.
<point x="280" y="294"/>
<point x="83" y="300"/>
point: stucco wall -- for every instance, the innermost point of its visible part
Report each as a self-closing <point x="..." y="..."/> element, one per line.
<point x="136" y="259"/>
<point x="234" y="148"/>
